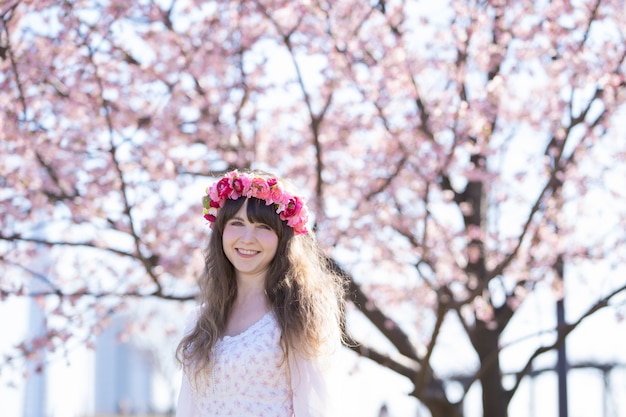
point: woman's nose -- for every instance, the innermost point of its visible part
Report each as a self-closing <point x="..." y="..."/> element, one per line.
<point x="248" y="233"/>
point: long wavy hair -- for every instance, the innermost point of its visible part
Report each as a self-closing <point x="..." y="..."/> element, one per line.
<point x="305" y="294"/>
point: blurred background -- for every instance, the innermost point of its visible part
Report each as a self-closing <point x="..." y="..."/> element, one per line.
<point x="463" y="162"/>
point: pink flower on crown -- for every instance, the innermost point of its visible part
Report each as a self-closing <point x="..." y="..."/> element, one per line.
<point x="298" y="224"/>
<point x="277" y="194"/>
<point x="241" y="185"/>
<point x="295" y="213"/>
<point x="259" y="188"/>
<point x="299" y="221"/>
<point x="292" y="207"/>
<point x="221" y="190"/>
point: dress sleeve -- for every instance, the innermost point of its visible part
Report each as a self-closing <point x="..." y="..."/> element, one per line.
<point x="186" y="402"/>
<point x="313" y="385"/>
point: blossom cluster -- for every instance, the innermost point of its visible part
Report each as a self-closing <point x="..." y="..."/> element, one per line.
<point x="235" y="184"/>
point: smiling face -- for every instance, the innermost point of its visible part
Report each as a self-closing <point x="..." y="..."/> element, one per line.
<point x="249" y="246"/>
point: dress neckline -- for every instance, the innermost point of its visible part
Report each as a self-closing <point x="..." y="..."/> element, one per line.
<point x="249" y="329"/>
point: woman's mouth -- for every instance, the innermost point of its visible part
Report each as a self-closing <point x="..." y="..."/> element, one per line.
<point x="247" y="252"/>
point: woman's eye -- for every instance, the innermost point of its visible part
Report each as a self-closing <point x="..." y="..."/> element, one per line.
<point x="264" y="227"/>
<point x="236" y="223"/>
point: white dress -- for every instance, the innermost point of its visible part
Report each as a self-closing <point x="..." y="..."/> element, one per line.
<point x="248" y="380"/>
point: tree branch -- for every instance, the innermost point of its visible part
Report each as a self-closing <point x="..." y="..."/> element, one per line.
<point x="402" y="365"/>
<point x="561" y="336"/>
<point x="383" y="323"/>
<point x="144" y="259"/>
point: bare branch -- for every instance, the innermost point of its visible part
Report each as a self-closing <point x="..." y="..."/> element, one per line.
<point x="565" y="331"/>
<point x="402" y="365"/>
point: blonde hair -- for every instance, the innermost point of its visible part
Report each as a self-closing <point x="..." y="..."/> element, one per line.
<point x="305" y="294"/>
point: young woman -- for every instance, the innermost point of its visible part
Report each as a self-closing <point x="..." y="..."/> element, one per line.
<point x="270" y="308"/>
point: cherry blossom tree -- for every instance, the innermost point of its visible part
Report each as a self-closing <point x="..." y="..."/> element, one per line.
<point x="457" y="157"/>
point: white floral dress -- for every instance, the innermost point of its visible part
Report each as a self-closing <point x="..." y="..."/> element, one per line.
<point x="249" y="379"/>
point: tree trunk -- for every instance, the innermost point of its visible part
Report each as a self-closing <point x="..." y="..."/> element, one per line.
<point x="442" y="408"/>
<point x="494" y="397"/>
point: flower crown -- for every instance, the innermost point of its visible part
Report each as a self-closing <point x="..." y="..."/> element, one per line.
<point x="237" y="184"/>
